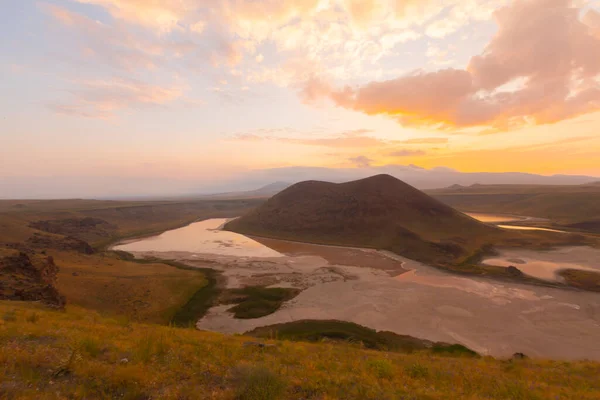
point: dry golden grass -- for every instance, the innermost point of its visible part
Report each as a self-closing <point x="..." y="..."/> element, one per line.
<point x="141" y="292"/>
<point x="79" y="355"/>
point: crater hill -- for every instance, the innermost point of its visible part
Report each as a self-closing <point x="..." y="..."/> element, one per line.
<point x="379" y="212"/>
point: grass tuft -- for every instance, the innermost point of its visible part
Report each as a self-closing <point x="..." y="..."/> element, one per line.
<point x="417" y="370"/>
<point x="383" y="369"/>
<point x="151" y="346"/>
<point x="91" y="346"/>
<point x="33" y="317"/>
<point x="258" y="383"/>
<point x="9" y="316"/>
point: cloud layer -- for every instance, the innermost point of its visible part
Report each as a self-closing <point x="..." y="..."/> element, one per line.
<point x="541" y="67"/>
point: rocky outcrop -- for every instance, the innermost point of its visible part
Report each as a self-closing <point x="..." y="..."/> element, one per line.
<point x="68" y="243"/>
<point x="514" y="271"/>
<point x="28" y="278"/>
<point x="75" y="227"/>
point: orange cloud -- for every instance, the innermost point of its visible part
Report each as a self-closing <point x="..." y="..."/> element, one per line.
<point x="541" y="67"/>
<point x="406" y="153"/>
<point x="356" y="138"/>
<point x="101" y="99"/>
<point x="430" y="140"/>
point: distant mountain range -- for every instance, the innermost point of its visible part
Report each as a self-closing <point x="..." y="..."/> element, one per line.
<point x="418" y="177"/>
<point x="265" y="191"/>
<point x="423" y="179"/>
<point x="269" y="181"/>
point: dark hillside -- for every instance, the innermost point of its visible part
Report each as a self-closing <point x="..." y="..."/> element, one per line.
<point x="379" y="212"/>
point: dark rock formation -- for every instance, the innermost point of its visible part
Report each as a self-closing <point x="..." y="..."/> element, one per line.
<point x="75" y="227"/>
<point x="26" y="279"/>
<point x="514" y="271"/>
<point x="68" y="243"/>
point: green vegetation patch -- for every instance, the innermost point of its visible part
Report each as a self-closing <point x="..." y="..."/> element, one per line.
<point x="200" y="302"/>
<point x="452" y="349"/>
<point x="587" y="280"/>
<point x="257" y="301"/>
<point x="319" y="330"/>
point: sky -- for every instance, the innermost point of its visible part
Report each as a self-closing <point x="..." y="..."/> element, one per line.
<point x="120" y="95"/>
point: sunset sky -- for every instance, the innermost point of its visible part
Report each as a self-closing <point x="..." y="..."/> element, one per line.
<point x="202" y="90"/>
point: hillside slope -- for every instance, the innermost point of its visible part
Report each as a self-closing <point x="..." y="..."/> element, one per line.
<point x="78" y="355"/>
<point x="575" y="206"/>
<point x="379" y="212"/>
<point x="74" y="235"/>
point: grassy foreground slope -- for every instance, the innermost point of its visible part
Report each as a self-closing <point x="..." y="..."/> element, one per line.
<point x="79" y="355"/>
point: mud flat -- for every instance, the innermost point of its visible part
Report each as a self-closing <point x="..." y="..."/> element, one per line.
<point x="491" y="318"/>
<point x="368" y="287"/>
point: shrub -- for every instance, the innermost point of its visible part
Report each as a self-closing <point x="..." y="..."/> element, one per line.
<point x="258" y="383"/>
<point x="91" y="346"/>
<point x="382" y="368"/>
<point x="417" y="371"/>
<point x="453" y="349"/>
<point x="33" y="317"/>
<point x="10" y="316"/>
<point x="150" y="346"/>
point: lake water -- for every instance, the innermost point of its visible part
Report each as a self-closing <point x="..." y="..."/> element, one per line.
<point x="497" y="219"/>
<point x="529" y="228"/>
<point x="204" y="237"/>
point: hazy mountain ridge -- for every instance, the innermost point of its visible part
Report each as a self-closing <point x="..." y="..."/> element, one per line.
<point x="120" y="187"/>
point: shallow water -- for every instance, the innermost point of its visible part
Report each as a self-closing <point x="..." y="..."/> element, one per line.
<point x="546" y="264"/>
<point x="530" y="228"/>
<point x="495" y="218"/>
<point x="203" y="237"/>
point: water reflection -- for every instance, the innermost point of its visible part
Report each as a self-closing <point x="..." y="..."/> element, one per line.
<point x="202" y="237"/>
<point x="495" y="218"/>
<point x="529" y="228"/>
